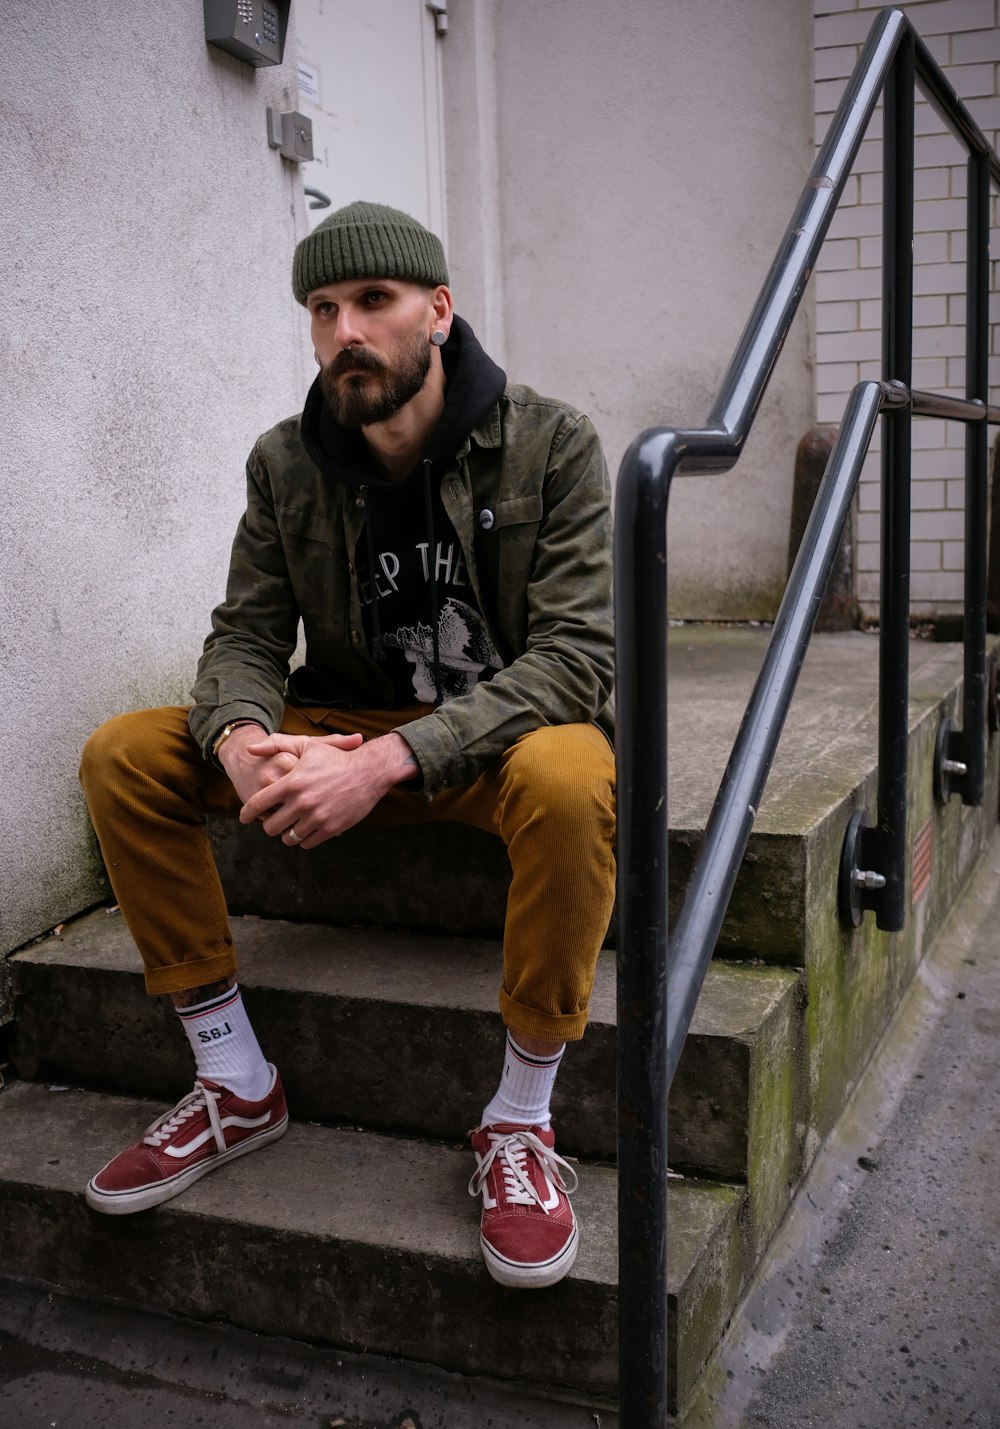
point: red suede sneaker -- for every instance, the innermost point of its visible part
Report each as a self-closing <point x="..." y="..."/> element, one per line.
<point x="207" y="1127"/>
<point x="529" y="1235"/>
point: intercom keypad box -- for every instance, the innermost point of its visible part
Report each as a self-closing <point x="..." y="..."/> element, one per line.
<point x="252" y="30"/>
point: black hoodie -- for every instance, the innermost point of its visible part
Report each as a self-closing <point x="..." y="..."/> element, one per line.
<point x="422" y="620"/>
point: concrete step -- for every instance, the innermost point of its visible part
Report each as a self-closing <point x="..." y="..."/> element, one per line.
<point x="398" y="1032"/>
<point x="778" y="1042"/>
<point x="784" y="907"/>
<point x="822" y="770"/>
<point x="350" y="1239"/>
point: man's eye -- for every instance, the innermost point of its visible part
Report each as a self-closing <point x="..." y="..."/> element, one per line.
<point x="374" y="298"/>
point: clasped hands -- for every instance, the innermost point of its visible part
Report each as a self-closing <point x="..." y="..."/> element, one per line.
<point x="316" y="786"/>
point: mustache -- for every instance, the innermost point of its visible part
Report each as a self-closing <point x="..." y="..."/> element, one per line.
<point x="354" y="359"/>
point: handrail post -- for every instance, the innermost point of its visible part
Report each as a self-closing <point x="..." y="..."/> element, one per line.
<point x="977" y="327"/>
<point x="641" y="619"/>
<point x="884" y="847"/>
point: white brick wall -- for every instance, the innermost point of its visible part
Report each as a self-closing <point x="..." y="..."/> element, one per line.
<point x="964" y="37"/>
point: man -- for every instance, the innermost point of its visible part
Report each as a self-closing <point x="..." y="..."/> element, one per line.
<point x="444" y="538"/>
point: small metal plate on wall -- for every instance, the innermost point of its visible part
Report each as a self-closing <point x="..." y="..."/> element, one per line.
<point x="291" y="133"/>
<point x="923" y="861"/>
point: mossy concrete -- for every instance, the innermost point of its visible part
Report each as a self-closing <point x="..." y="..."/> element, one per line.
<point x="743" y="1051"/>
<point x="784" y="906"/>
<point x="896" y="1243"/>
<point x="707" y="1269"/>
<point x="856" y="977"/>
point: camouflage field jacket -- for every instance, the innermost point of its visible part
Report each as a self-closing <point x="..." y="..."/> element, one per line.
<point x="528" y="496"/>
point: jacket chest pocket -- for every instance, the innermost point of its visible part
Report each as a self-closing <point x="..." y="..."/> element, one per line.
<point x="298" y="524"/>
<point x="313" y="542"/>
<point x="505" y="548"/>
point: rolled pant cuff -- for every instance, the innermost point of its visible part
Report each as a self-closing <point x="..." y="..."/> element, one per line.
<point x="199" y="972"/>
<point x="550" y="1026"/>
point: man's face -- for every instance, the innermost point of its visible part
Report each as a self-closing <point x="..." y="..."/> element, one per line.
<point x="372" y="339"/>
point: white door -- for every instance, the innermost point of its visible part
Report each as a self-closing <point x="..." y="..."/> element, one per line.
<point x="370" y="81"/>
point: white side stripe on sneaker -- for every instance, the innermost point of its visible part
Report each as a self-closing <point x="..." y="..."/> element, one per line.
<point x="165" y="1126"/>
<point x="209" y="1135"/>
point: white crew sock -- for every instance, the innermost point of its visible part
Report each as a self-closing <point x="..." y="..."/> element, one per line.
<point x="525" y="1088"/>
<point x="224" y="1046"/>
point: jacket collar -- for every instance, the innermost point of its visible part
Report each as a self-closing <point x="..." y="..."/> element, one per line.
<point x="486" y="432"/>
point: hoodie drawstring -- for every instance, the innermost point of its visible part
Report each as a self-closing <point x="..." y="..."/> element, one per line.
<point x="429" y="523"/>
<point x="377" y="651"/>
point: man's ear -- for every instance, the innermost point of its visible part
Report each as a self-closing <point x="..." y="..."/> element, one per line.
<point x="442" y="308"/>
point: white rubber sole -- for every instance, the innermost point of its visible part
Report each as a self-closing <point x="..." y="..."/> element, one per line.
<point x="531" y="1277"/>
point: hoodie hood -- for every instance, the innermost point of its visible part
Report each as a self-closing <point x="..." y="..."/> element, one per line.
<point x="473" y="385"/>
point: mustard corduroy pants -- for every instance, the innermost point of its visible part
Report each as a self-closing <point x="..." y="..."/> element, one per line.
<point x="550" y="797"/>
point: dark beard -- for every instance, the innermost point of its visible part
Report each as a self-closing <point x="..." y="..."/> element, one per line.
<point x="360" y="403"/>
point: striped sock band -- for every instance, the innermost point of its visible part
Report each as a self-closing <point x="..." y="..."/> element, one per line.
<point x="224" y="1045"/>
<point x="525" y="1088"/>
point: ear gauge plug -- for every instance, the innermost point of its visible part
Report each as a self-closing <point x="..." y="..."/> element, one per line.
<point x="319" y="360"/>
<point x="439" y="338"/>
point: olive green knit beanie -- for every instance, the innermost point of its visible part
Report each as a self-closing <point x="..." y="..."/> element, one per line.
<point x="367" y="240"/>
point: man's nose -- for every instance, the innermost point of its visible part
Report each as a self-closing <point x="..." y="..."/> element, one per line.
<point x="349" y="332"/>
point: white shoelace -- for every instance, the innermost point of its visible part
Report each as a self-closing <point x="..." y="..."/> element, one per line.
<point x="513" y="1147"/>
<point x="164" y="1127"/>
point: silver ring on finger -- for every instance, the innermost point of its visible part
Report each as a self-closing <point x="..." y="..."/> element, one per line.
<point x="295" y="838"/>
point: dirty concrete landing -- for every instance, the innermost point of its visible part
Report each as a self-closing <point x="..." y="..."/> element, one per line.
<point x="68" y="1365"/>
<point x="879" y="1304"/>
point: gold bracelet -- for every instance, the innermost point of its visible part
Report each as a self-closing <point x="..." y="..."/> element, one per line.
<point x="224" y="734"/>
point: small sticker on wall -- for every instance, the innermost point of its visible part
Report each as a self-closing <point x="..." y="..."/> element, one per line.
<point x="923" y="849"/>
<point x="308" y="83"/>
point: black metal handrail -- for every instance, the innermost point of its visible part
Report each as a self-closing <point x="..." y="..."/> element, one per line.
<point x="656" y="1000"/>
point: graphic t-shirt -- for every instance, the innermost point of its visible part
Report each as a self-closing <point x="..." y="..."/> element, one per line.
<point x="398" y="606"/>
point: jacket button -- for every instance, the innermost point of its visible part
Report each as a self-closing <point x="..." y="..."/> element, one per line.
<point x="486" y="519"/>
<point x="359" y="501"/>
<point x="356" y="636"/>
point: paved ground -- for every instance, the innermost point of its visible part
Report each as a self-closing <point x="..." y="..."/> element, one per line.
<point x="879" y="1307"/>
<point x="64" y="1365"/>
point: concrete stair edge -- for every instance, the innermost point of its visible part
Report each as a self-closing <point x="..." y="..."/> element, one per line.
<point x="400" y="1033"/>
<point x="348" y="1238"/>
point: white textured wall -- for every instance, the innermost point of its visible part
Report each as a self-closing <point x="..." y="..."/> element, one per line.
<point x="147" y="334"/>
<point x="619" y="177"/>
<point x="964" y="37"/>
